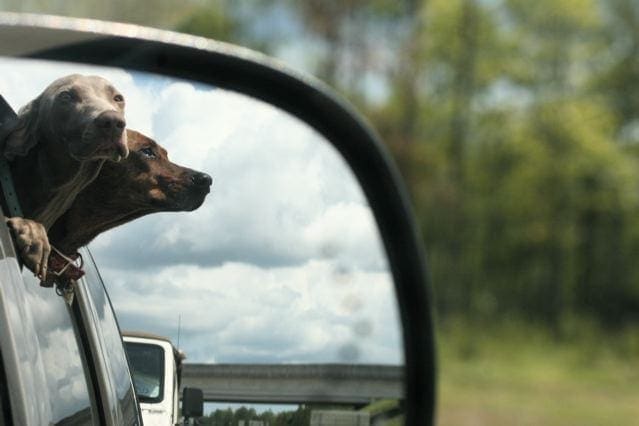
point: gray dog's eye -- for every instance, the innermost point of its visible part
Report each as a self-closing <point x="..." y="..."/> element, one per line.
<point x="118" y="98"/>
<point x="65" y="96"/>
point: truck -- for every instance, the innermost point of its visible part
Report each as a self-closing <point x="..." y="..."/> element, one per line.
<point x="156" y="366"/>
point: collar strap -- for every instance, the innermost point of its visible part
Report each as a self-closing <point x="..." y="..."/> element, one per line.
<point x="8" y="189"/>
<point x="7" y="115"/>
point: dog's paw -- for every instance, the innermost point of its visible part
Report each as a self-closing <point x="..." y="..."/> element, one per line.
<point x="32" y="244"/>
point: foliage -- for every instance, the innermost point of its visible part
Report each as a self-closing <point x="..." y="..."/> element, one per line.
<point x="225" y="21"/>
<point x="228" y="417"/>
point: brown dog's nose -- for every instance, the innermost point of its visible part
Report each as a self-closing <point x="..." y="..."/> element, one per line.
<point x="201" y="179"/>
<point x="110" y="120"/>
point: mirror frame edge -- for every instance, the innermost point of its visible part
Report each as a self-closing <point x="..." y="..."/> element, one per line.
<point x="255" y="75"/>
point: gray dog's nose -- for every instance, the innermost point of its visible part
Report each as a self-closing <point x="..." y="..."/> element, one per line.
<point x="201" y="179"/>
<point x="110" y="120"/>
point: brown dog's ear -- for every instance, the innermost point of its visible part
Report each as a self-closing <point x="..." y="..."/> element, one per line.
<point x="19" y="134"/>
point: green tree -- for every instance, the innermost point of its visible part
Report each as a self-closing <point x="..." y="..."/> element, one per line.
<point x="617" y="82"/>
<point x="225" y="21"/>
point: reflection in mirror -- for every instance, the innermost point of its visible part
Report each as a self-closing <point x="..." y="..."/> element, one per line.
<point x="282" y="263"/>
<point x="59" y="360"/>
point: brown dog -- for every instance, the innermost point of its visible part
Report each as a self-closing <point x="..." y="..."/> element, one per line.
<point x="146" y="182"/>
<point x="56" y="146"/>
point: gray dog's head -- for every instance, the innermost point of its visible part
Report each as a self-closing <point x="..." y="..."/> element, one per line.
<point x="79" y="116"/>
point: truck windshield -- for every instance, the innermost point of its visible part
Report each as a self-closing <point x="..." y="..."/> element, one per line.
<point x="147" y="366"/>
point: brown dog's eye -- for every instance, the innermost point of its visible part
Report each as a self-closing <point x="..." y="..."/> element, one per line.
<point x="118" y="98"/>
<point x="147" y="152"/>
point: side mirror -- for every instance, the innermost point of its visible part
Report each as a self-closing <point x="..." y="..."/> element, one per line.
<point x="192" y="403"/>
<point x="217" y="69"/>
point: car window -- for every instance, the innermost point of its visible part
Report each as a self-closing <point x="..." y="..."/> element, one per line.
<point x="147" y="368"/>
<point x="67" y="389"/>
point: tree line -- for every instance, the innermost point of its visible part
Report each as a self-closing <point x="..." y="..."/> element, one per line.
<point x="229" y="417"/>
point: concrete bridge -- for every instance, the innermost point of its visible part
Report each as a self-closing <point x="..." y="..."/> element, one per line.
<point x="295" y="383"/>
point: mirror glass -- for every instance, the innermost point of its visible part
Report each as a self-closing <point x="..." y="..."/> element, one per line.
<point x="281" y="264"/>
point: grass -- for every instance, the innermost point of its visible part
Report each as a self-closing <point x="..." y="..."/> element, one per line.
<point x="514" y="374"/>
<point x="385" y="406"/>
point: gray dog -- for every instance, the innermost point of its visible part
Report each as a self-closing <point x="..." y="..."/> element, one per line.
<point x="56" y="146"/>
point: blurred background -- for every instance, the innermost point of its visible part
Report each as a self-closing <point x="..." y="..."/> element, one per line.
<point x="515" y="124"/>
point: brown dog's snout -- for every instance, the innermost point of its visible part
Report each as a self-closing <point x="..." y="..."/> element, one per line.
<point x="201" y="179"/>
<point x="110" y="121"/>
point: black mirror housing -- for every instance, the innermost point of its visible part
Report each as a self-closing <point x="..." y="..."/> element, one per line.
<point x="192" y="403"/>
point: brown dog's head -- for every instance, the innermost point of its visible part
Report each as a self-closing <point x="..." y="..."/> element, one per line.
<point x="78" y="116"/>
<point x="152" y="182"/>
<point x="146" y="182"/>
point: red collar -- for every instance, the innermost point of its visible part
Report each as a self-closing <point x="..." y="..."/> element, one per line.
<point x="64" y="267"/>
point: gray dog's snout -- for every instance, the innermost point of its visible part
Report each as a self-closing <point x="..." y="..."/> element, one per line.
<point x="110" y="120"/>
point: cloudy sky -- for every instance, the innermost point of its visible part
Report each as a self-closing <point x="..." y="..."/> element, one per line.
<point x="283" y="261"/>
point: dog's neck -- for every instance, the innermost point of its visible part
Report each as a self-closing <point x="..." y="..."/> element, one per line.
<point x="78" y="227"/>
<point x="104" y="204"/>
<point x="47" y="183"/>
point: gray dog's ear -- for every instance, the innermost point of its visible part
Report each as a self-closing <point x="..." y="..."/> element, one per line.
<point x="19" y="134"/>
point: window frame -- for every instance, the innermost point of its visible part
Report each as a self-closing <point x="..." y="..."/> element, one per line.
<point x="110" y="404"/>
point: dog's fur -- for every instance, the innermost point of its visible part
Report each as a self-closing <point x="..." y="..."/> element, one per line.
<point x="56" y="146"/>
<point x="146" y="182"/>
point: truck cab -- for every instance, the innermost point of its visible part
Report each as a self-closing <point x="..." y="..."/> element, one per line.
<point x="156" y="365"/>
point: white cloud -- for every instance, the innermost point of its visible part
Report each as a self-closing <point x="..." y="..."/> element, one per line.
<point x="281" y="194"/>
<point x="58" y="345"/>
<point x="242" y="312"/>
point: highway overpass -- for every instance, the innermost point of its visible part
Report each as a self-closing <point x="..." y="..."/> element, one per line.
<point x="295" y="383"/>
